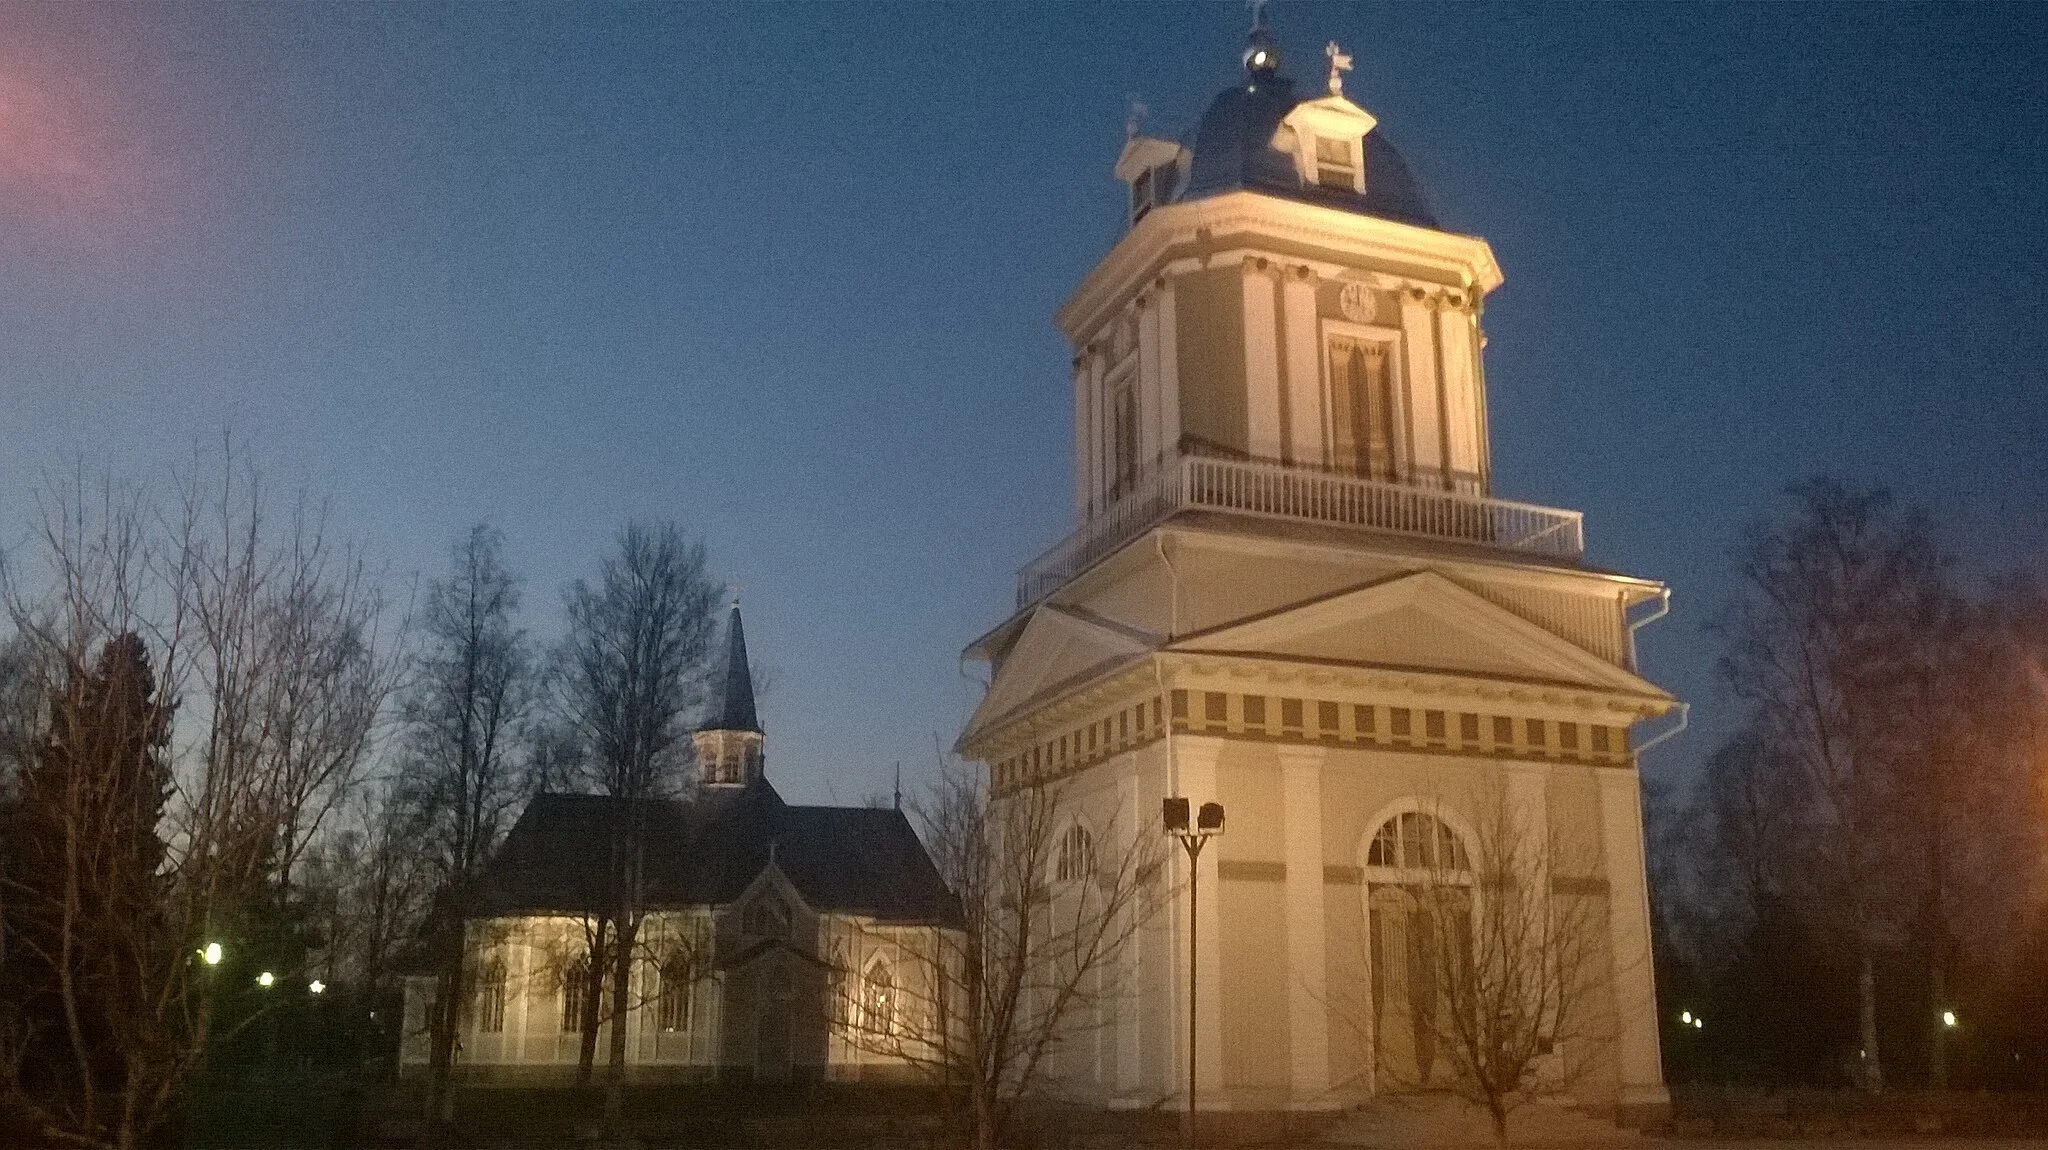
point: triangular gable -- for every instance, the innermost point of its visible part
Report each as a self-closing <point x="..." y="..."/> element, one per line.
<point x="1059" y="645"/>
<point x="1421" y="621"/>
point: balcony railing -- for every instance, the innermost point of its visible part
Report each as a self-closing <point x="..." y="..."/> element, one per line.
<point x="1276" y="491"/>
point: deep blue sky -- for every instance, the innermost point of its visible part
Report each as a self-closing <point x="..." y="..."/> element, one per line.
<point x="784" y="273"/>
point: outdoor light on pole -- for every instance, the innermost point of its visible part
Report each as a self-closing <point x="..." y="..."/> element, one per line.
<point x="211" y="955"/>
<point x="1207" y="821"/>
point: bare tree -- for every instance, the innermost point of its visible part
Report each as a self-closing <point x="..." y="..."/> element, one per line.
<point x="472" y="687"/>
<point x="1048" y="911"/>
<point x="269" y="738"/>
<point x="1823" y="650"/>
<point x="631" y="672"/>
<point x="1505" y="950"/>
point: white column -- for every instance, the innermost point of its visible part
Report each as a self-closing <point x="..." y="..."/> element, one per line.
<point x="1169" y="371"/>
<point x="1628" y="917"/>
<point x="1304" y="368"/>
<point x="1419" y="385"/>
<point x="1148" y="382"/>
<point x="1197" y="759"/>
<point x="1461" y="396"/>
<point x="1261" y="361"/>
<point x="1308" y="1000"/>
<point x="1084" y="434"/>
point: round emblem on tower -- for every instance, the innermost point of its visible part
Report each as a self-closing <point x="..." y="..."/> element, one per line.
<point x="1358" y="303"/>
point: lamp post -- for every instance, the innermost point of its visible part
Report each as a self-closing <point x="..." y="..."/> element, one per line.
<point x="1207" y="822"/>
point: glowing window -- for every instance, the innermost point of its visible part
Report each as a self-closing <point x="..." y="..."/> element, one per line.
<point x="672" y="1008"/>
<point x="490" y="998"/>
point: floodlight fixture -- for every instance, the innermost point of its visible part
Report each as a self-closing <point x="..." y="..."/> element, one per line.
<point x="1210" y="819"/>
<point x="1175" y="813"/>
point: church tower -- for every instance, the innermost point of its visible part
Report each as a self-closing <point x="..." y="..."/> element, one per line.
<point x="729" y="745"/>
<point x="1292" y="589"/>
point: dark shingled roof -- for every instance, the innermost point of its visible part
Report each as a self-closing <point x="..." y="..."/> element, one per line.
<point x="733" y="708"/>
<point x="1233" y="151"/>
<point x="706" y="850"/>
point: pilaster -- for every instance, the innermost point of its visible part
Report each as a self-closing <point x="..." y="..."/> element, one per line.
<point x="1628" y="917"/>
<point x="1308" y="1033"/>
<point x="1419" y="384"/>
<point x="1303" y="357"/>
<point x="1263" y="400"/>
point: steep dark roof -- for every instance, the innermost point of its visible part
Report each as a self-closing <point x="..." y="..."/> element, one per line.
<point x="732" y="708"/>
<point x="1233" y="151"/>
<point x="707" y="850"/>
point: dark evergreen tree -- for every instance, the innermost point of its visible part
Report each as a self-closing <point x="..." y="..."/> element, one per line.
<point x="82" y="874"/>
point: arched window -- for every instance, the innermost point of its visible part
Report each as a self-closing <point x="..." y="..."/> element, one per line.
<point x="672" y="1007"/>
<point x="766" y="917"/>
<point x="490" y="998"/>
<point x="575" y="983"/>
<point x="1076" y="856"/>
<point x="878" y="1004"/>
<point x="1418" y="841"/>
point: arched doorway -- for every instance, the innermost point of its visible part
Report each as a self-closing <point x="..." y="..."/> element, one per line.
<point x="1418" y="878"/>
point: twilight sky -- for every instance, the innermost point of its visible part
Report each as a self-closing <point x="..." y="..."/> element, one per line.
<point x="784" y="273"/>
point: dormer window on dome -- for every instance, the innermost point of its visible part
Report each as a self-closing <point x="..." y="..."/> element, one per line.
<point x="1152" y="167"/>
<point x="1326" y="137"/>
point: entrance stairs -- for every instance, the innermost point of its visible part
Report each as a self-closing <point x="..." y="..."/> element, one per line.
<point x="1445" y="1122"/>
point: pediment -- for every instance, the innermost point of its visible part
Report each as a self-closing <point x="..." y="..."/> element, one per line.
<point x="1421" y="621"/>
<point x="1060" y="645"/>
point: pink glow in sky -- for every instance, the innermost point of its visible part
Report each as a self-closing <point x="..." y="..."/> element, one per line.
<point x="65" y="161"/>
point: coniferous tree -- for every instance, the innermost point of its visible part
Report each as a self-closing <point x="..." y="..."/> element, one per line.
<point x="82" y="877"/>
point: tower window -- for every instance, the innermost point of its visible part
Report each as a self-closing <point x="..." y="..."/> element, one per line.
<point x="1362" y="407"/>
<point x="1123" y="436"/>
<point x="1337" y="163"/>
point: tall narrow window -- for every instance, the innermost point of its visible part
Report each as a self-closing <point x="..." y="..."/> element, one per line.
<point x="1361" y="408"/>
<point x="490" y="999"/>
<point x="575" y="981"/>
<point x="878" y="999"/>
<point x="1123" y="437"/>
<point x="676" y="984"/>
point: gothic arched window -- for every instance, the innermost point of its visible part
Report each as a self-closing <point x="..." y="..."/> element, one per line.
<point x="490" y="998"/>
<point x="673" y="1006"/>
<point x="575" y="984"/>
<point x="878" y="1003"/>
<point x="766" y="917"/>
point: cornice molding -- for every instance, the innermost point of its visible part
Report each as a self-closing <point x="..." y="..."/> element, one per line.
<point x="1467" y="261"/>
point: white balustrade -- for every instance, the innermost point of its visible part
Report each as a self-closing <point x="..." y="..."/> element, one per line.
<point x="1276" y="491"/>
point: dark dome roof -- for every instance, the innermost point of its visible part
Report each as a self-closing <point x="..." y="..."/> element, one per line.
<point x="1233" y="151"/>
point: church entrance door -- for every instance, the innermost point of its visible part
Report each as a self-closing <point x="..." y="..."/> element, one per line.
<point x="771" y="1024"/>
<point x="1414" y="936"/>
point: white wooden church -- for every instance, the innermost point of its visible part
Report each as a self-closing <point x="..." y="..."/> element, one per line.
<point x="775" y="932"/>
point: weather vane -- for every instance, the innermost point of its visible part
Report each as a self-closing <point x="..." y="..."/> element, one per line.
<point x="1258" y="8"/>
<point x="1340" y="63"/>
<point x="1134" y="119"/>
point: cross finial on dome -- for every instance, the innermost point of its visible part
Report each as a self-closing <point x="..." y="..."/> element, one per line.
<point x="1134" y="119"/>
<point x="1340" y="63"/>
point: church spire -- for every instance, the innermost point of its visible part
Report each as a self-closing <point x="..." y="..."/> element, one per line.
<point x="729" y="742"/>
<point x="733" y="708"/>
